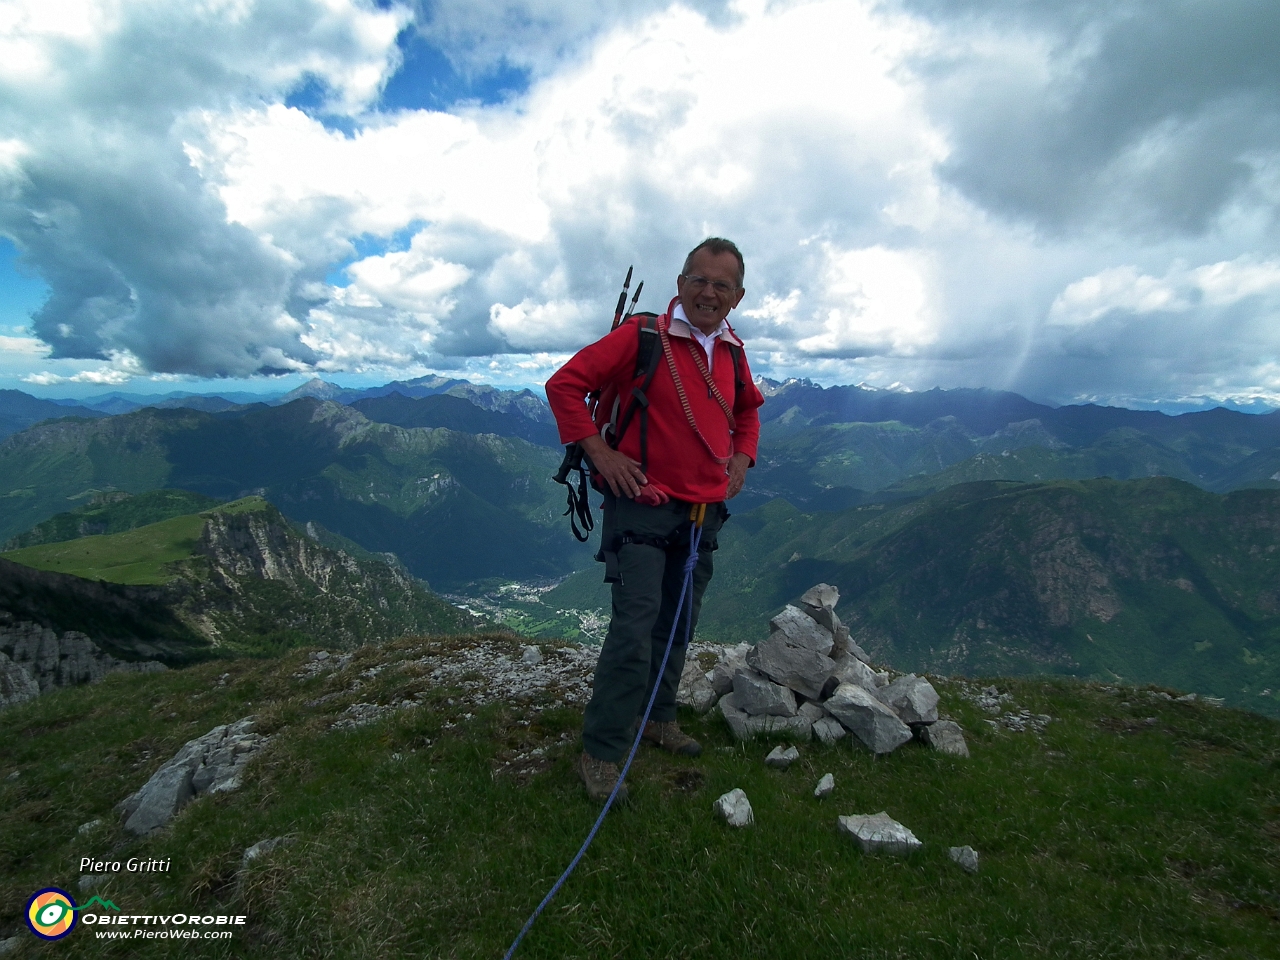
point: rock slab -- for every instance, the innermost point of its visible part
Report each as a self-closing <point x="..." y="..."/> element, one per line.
<point x="825" y="786"/>
<point x="780" y="759"/>
<point x="760" y="696"/>
<point x="875" y="724"/>
<point x="735" y="808"/>
<point x="879" y="833"/>
<point x="828" y="730"/>
<point x="946" y="737"/>
<point x="209" y="764"/>
<point x="802" y="668"/>
<point x="745" y="727"/>
<point x="912" y="698"/>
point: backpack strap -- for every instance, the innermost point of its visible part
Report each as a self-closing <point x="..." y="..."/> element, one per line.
<point x="647" y="353"/>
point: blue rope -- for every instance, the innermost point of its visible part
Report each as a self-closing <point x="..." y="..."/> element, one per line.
<point x="695" y="538"/>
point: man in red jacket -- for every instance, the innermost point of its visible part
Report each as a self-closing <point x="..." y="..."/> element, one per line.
<point x="700" y="438"/>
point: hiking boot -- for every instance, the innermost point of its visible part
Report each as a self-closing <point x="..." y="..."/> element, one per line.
<point x="600" y="777"/>
<point x="671" y="738"/>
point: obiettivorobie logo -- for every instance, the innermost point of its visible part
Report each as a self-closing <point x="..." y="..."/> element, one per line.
<point x="51" y="912"/>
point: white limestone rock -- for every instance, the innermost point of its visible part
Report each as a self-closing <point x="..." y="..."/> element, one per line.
<point x="802" y="630"/>
<point x="966" y="856"/>
<point x="946" y="737"/>
<point x="746" y="727"/>
<point x="849" y="669"/>
<point x="879" y="833"/>
<point x="812" y="710"/>
<point x="730" y="661"/>
<point x="760" y="696"/>
<point x="828" y="730"/>
<point x="780" y="758"/>
<point x="735" y="808"/>
<point x="212" y="763"/>
<point x="695" y="688"/>
<point x="913" y="698"/>
<point x="531" y="656"/>
<point x="875" y="724"/>
<point x="802" y="668"/>
<point x="821" y="595"/>
<point x="825" y="786"/>
<point x="262" y="848"/>
<point x="737" y="719"/>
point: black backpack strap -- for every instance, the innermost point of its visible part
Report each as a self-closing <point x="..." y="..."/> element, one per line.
<point x="739" y="384"/>
<point x="648" y="350"/>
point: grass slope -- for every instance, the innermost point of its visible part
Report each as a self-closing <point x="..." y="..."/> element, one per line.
<point x="1131" y="827"/>
<point x="135" y="557"/>
<point x="113" y="513"/>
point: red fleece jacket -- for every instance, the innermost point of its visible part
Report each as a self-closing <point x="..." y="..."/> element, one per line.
<point x="679" y="464"/>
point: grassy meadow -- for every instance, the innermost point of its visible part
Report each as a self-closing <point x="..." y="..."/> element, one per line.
<point x="1132" y="826"/>
<point x="135" y="557"/>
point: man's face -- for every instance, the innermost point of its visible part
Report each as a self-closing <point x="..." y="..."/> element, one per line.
<point x="703" y="303"/>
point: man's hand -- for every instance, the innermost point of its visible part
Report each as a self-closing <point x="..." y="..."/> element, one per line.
<point x="737" y="471"/>
<point x="624" y="476"/>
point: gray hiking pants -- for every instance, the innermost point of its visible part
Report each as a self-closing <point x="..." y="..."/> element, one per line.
<point x="651" y="545"/>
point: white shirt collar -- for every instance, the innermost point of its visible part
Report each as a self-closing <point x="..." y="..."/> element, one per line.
<point x="679" y="314"/>
<point x="707" y="340"/>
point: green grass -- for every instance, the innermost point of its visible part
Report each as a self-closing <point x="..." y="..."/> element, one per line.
<point x="135" y="557"/>
<point x="1107" y="835"/>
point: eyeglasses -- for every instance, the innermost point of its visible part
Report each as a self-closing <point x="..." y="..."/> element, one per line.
<point x="721" y="288"/>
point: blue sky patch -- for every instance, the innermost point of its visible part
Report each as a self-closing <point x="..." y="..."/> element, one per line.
<point x="21" y="292"/>
<point x="428" y="80"/>
<point x="368" y="245"/>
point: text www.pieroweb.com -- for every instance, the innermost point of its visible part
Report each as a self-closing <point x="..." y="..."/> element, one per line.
<point x="172" y="927"/>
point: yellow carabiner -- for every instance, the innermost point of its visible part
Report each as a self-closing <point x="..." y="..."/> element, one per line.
<point x="698" y="513"/>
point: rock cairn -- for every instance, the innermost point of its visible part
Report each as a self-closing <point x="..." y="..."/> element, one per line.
<point x="811" y="679"/>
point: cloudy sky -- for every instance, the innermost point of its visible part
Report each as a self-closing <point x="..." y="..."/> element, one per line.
<point x="1073" y="199"/>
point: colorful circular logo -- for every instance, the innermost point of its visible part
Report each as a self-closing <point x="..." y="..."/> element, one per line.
<point x="51" y="913"/>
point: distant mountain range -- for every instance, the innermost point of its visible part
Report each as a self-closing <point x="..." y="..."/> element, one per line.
<point x="453" y="506"/>
<point x="969" y="529"/>
<point x="19" y="410"/>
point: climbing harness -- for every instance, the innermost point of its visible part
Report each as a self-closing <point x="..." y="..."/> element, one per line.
<point x="697" y="514"/>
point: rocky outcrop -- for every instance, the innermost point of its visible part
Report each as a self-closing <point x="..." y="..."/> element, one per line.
<point x="256" y="543"/>
<point x="16" y="685"/>
<point x="128" y="622"/>
<point x="48" y="660"/>
<point x="213" y="763"/>
<point x="253" y="575"/>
